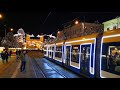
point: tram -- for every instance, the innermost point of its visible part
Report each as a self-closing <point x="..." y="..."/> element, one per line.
<point x="81" y="54"/>
<point x="110" y="54"/>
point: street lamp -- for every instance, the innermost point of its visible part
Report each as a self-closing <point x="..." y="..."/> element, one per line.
<point x="58" y="32"/>
<point x="11" y="29"/>
<point x="76" y="22"/>
<point x="1" y="16"/>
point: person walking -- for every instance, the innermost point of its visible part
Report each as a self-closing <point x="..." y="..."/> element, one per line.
<point x="6" y="56"/>
<point x="23" y="60"/>
<point x="17" y="55"/>
<point x="10" y="53"/>
<point x="3" y="56"/>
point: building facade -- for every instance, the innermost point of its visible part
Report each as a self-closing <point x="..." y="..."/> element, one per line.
<point x="33" y="43"/>
<point x="78" y="30"/>
<point x="112" y="24"/>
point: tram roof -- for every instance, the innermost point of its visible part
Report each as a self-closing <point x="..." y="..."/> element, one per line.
<point x="83" y="37"/>
<point x="112" y="32"/>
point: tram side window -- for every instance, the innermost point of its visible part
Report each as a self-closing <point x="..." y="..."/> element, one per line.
<point x="68" y="53"/>
<point x="111" y="62"/>
<point x="58" y="52"/>
<point x="75" y="53"/>
<point x="85" y="53"/>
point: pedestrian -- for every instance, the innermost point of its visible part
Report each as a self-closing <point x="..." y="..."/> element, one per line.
<point x="23" y="60"/>
<point x="3" y="56"/>
<point x="17" y="55"/>
<point x="10" y="53"/>
<point x="6" y="56"/>
<point x="19" y="52"/>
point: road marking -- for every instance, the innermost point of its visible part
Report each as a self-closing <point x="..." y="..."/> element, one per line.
<point x="16" y="71"/>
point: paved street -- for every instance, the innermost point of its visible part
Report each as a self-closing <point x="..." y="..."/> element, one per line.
<point x="36" y="67"/>
<point x="8" y="69"/>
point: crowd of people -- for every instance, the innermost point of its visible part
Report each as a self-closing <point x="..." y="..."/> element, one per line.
<point x="20" y="55"/>
<point x="5" y="54"/>
<point x="114" y="62"/>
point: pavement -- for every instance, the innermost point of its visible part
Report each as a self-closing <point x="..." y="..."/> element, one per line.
<point x="7" y="69"/>
<point x="36" y="67"/>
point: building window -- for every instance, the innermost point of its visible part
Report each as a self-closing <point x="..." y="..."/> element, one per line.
<point x="114" y="27"/>
<point x="108" y="28"/>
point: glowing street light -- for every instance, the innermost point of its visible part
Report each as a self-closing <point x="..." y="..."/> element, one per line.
<point x="11" y="29"/>
<point x="1" y="16"/>
<point x="58" y="32"/>
<point x="76" y="22"/>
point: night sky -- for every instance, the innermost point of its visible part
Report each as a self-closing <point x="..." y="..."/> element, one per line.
<point x="38" y="22"/>
<point x="48" y="20"/>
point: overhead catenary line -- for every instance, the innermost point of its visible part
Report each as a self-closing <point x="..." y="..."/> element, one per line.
<point x="46" y="18"/>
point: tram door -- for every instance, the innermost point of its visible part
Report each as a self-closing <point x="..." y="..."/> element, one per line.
<point x="85" y="58"/>
<point x="68" y="55"/>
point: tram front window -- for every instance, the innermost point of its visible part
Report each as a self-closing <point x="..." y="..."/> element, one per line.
<point x="111" y="61"/>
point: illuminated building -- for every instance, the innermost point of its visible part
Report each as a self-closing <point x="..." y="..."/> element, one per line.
<point x="112" y="24"/>
<point x="78" y="30"/>
<point x="32" y="43"/>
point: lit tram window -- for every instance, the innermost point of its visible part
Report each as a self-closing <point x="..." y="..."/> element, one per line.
<point x="75" y="56"/>
<point x="58" y="53"/>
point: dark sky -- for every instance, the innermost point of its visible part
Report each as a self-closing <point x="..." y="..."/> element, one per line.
<point x="37" y="22"/>
<point x="31" y="16"/>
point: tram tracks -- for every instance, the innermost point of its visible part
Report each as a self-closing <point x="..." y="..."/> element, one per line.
<point x="59" y="71"/>
<point x="38" y="72"/>
<point x="41" y="71"/>
<point x="64" y="76"/>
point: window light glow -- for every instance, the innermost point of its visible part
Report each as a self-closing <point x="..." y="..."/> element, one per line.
<point x="79" y="40"/>
<point x="110" y="36"/>
<point x="94" y="53"/>
<point x="60" y="60"/>
<point x="90" y="54"/>
<point x="59" y="43"/>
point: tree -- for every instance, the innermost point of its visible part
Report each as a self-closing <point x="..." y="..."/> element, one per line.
<point x="9" y="41"/>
